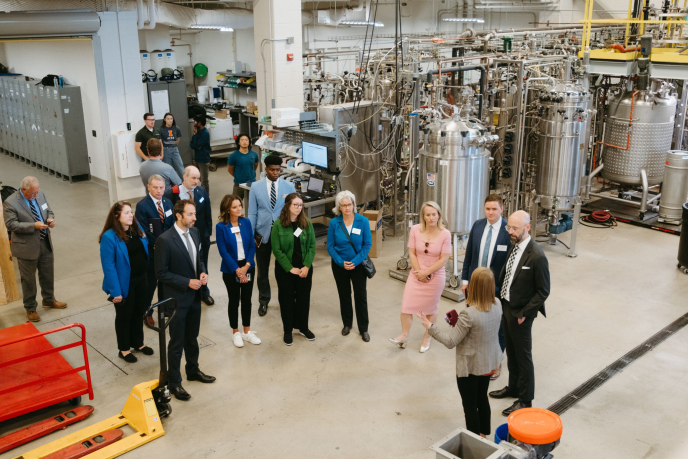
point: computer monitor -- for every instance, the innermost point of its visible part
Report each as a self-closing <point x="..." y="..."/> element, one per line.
<point x="315" y="184"/>
<point x="314" y="154"/>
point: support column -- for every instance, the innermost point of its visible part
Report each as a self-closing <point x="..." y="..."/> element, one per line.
<point x="279" y="81"/>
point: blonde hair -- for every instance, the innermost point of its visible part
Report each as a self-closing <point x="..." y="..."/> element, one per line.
<point x="481" y="289"/>
<point x="434" y="205"/>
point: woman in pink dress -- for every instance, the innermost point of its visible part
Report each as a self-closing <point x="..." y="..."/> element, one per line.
<point x="429" y="248"/>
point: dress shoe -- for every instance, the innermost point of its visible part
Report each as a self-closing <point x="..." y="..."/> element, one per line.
<point x="145" y="350"/>
<point x="33" y="316"/>
<point x="129" y="358"/>
<point x="55" y="304"/>
<point x="179" y="393"/>
<point x="201" y="377"/>
<point x="150" y="321"/>
<point x="401" y="343"/>
<point x="516" y="406"/>
<point x="262" y="309"/>
<point x="208" y="300"/>
<point x="503" y="393"/>
<point x="365" y="337"/>
<point x="424" y="349"/>
<point x="288" y="340"/>
<point x="345" y="330"/>
<point x="307" y="334"/>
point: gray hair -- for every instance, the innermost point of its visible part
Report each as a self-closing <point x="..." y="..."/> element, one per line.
<point x="28" y="182"/>
<point x="155" y="177"/>
<point x="346" y="194"/>
<point x="189" y="169"/>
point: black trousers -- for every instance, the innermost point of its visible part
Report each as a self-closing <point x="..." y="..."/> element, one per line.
<point x="129" y="311"/>
<point x="239" y="293"/>
<point x="263" y="254"/>
<point x="205" y="250"/>
<point x="294" y="298"/>
<point x="152" y="279"/>
<point x="184" y="330"/>
<point x="344" y="280"/>
<point x="519" y="347"/>
<point x="476" y="406"/>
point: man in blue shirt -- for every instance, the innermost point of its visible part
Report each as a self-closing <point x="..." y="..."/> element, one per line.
<point x="200" y="144"/>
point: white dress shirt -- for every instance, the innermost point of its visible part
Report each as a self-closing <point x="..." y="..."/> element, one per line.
<point x="495" y="233"/>
<point x="183" y="192"/>
<point x="521" y="248"/>
<point x="269" y="184"/>
<point x="156" y="201"/>
<point x="193" y="249"/>
<point x="240" y="246"/>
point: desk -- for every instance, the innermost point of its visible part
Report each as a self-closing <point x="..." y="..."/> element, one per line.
<point x="313" y="209"/>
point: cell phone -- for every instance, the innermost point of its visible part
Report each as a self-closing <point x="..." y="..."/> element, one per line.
<point x="248" y="277"/>
<point x="452" y="317"/>
<point x="259" y="239"/>
<point x="110" y="299"/>
<point x="429" y="276"/>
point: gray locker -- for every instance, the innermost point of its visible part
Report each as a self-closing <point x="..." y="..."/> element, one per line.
<point x="176" y="93"/>
<point x="73" y="157"/>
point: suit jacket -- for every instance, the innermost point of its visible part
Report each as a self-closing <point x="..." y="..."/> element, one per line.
<point x="174" y="268"/>
<point x="227" y="245"/>
<point x="114" y="257"/>
<point x="475" y="339"/>
<point x="472" y="258"/>
<point x="149" y="218"/>
<point x="204" y="216"/>
<point x="338" y="244"/>
<point x="260" y="213"/>
<point x="26" y="242"/>
<point x="530" y="287"/>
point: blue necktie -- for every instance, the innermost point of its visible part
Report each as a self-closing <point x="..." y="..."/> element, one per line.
<point x="34" y="211"/>
<point x="486" y="250"/>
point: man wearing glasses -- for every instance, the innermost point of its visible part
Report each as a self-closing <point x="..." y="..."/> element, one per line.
<point x="147" y="132"/>
<point x="525" y="287"/>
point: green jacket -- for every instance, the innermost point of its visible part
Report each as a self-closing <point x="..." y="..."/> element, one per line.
<point x="282" y="240"/>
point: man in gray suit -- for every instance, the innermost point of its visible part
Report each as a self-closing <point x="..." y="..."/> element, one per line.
<point x="29" y="219"/>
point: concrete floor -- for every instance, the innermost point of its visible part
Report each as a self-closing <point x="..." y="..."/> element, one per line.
<point x="338" y="397"/>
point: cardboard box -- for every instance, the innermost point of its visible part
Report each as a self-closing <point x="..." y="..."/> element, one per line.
<point x="375" y="220"/>
<point x="221" y="114"/>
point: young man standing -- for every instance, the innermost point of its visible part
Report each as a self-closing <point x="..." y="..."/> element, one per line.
<point x="147" y="132"/>
<point x="200" y="144"/>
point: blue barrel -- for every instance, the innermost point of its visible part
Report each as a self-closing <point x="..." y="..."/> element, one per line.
<point x="502" y="433"/>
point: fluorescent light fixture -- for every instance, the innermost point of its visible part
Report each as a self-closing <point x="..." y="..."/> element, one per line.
<point x="212" y="27"/>
<point x="362" y="23"/>
<point x="478" y="20"/>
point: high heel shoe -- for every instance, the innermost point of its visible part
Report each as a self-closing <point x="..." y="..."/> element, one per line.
<point x="401" y="343"/>
<point x="424" y="349"/>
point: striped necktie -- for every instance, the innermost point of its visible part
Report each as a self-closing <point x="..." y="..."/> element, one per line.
<point x="36" y="217"/>
<point x="273" y="196"/>
<point x="509" y="267"/>
<point x="161" y="213"/>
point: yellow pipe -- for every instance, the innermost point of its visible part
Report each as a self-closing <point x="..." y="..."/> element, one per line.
<point x="631" y="21"/>
<point x="628" y="26"/>
<point x="642" y="26"/>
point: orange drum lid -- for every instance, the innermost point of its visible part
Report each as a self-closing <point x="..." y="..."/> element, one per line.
<point x="535" y="426"/>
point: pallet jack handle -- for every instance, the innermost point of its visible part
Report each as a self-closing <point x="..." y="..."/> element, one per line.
<point x="163" y="306"/>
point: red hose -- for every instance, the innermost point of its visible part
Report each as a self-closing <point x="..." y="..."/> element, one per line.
<point x="601" y="218"/>
<point x="631" y="49"/>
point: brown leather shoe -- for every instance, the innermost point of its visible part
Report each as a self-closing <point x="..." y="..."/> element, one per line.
<point x="150" y="321"/>
<point x="55" y="305"/>
<point x="33" y="316"/>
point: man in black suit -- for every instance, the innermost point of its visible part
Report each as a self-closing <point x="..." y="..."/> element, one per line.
<point x="189" y="189"/>
<point x="525" y="287"/>
<point x="487" y="245"/>
<point x="180" y="269"/>
<point x="154" y="213"/>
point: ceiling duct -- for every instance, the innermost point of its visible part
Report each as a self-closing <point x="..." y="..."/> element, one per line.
<point x="152" y="13"/>
<point x="54" y="24"/>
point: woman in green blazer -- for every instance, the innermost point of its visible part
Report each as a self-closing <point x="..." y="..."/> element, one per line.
<point x="293" y="243"/>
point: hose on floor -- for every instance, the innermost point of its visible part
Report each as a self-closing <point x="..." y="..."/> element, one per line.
<point x="598" y="219"/>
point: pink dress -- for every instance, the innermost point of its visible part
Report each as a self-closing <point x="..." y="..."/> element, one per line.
<point x="420" y="296"/>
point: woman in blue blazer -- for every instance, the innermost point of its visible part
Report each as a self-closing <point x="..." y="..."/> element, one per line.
<point x="346" y="260"/>
<point x="124" y="257"/>
<point x="237" y="248"/>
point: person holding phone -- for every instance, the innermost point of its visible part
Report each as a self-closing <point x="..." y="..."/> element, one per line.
<point x="293" y="243"/>
<point x="124" y="257"/>
<point x="429" y="248"/>
<point x="237" y="249"/>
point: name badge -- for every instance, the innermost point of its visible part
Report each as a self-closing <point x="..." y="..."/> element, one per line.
<point x="201" y="200"/>
<point x="355" y="231"/>
<point x="44" y="206"/>
<point x="168" y="213"/>
<point x="298" y="232"/>
<point x="235" y="229"/>
<point x="501" y="248"/>
<point x="525" y="267"/>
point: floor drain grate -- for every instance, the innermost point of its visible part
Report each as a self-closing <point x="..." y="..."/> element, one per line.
<point x="606" y="374"/>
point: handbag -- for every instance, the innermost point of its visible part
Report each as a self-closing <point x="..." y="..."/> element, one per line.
<point x="367" y="264"/>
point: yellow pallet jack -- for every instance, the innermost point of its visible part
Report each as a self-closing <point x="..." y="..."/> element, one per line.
<point x="143" y="411"/>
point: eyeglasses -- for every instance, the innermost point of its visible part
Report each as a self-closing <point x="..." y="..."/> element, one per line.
<point x="346" y="205"/>
<point x="512" y="229"/>
<point x="297" y="205"/>
<point x="427" y="244"/>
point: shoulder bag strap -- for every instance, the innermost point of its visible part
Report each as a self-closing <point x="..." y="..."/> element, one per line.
<point x="341" y="223"/>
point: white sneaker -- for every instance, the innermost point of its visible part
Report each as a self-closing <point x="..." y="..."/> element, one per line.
<point x="251" y="337"/>
<point x="236" y="338"/>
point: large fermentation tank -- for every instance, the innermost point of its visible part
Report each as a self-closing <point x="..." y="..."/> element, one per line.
<point x="561" y="145"/>
<point x="453" y="171"/>
<point x="675" y="186"/>
<point x="651" y="131"/>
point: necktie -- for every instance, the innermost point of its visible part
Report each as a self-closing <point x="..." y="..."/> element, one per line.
<point x="486" y="249"/>
<point x="509" y="267"/>
<point x="273" y="196"/>
<point x="161" y="213"/>
<point x="191" y="195"/>
<point x="189" y="248"/>
<point x="34" y="212"/>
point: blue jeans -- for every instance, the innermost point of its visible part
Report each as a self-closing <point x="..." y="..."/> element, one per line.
<point x="174" y="159"/>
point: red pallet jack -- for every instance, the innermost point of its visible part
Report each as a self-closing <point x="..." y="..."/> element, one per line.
<point x="143" y="410"/>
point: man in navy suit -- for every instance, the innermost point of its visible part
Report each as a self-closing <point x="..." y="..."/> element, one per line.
<point x="154" y="213"/>
<point x="487" y="246"/>
<point x="190" y="190"/>
<point x="266" y="200"/>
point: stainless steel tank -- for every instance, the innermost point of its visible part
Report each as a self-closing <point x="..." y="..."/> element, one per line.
<point x="560" y="141"/>
<point x="651" y="132"/>
<point x="453" y="171"/>
<point x="675" y="186"/>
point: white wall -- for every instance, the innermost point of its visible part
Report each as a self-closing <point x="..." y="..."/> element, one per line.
<point x="73" y="59"/>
